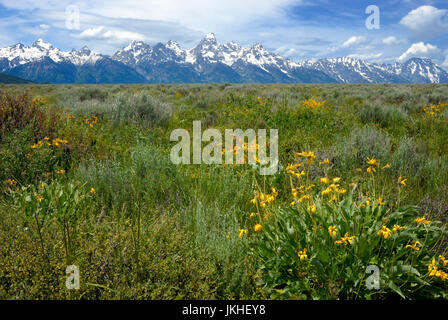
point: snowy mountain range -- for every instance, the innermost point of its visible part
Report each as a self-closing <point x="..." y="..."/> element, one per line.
<point x="209" y="61"/>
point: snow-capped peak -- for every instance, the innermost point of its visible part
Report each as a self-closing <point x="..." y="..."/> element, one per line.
<point x="20" y="54"/>
<point x="85" y="50"/>
<point x="208" y="40"/>
<point x="133" y="45"/>
<point x="42" y="44"/>
<point x="210" y="36"/>
<point x="174" y="46"/>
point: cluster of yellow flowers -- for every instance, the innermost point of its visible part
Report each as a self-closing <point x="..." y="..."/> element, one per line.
<point x="11" y="182"/>
<point x="332" y="231"/>
<point x="346" y="239"/>
<point x="373" y="164"/>
<point x="299" y="195"/>
<point x="263" y="199"/>
<point x="312" y="103"/>
<point x="385" y="232"/>
<point x="292" y="169"/>
<point x="422" y="220"/>
<point x="39" y="197"/>
<point x="55" y="142"/>
<point x="310" y="156"/>
<point x="332" y="188"/>
<point x="302" y="254"/>
<point x="93" y="120"/>
<point x="40" y="100"/>
<point x="325" y="161"/>
<point x="245" y="150"/>
<point x="434" y="270"/>
<point x="397" y="228"/>
<point x="260" y="200"/>
<point x="434" y="109"/>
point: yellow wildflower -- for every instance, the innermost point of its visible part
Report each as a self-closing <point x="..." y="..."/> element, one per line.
<point x="397" y="228"/>
<point x="39" y="197"/>
<point x="302" y="254"/>
<point x="346" y="239"/>
<point x="385" y="232"/>
<point x="332" y="231"/>
<point x="372" y="162"/>
<point x="258" y="227"/>
<point x="422" y="220"/>
<point x="11" y="182"/>
<point x="414" y="245"/>
<point x="241" y="232"/>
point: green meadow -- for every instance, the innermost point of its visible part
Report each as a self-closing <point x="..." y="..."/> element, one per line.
<point x="86" y="180"/>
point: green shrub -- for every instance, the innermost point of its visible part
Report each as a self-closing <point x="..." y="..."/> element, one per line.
<point x="141" y="109"/>
<point x="384" y="115"/>
<point x="321" y="246"/>
<point x="367" y="141"/>
<point x="91" y="93"/>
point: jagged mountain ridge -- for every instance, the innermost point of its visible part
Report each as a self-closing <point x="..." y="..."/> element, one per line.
<point x="41" y="62"/>
<point x="209" y="61"/>
<point x="213" y="62"/>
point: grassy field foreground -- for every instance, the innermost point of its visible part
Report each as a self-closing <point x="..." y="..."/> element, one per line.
<point x="86" y="180"/>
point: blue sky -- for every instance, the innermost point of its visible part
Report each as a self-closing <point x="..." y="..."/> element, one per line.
<point x="298" y="29"/>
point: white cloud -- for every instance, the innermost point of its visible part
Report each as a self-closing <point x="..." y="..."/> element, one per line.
<point x="203" y="15"/>
<point x="426" y="22"/>
<point x="101" y="32"/>
<point x="355" y="40"/>
<point x="92" y="33"/>
<point x="419" y="50"/>
<point x="393" y="41"/>
<point x="159" y="21"/>
<point x="351" y="42"/>
<point x="367" y="56"/>
<point x="41" y="30"/>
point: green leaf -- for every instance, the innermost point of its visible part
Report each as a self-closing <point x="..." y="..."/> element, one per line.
<point x="396" y="289"/>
